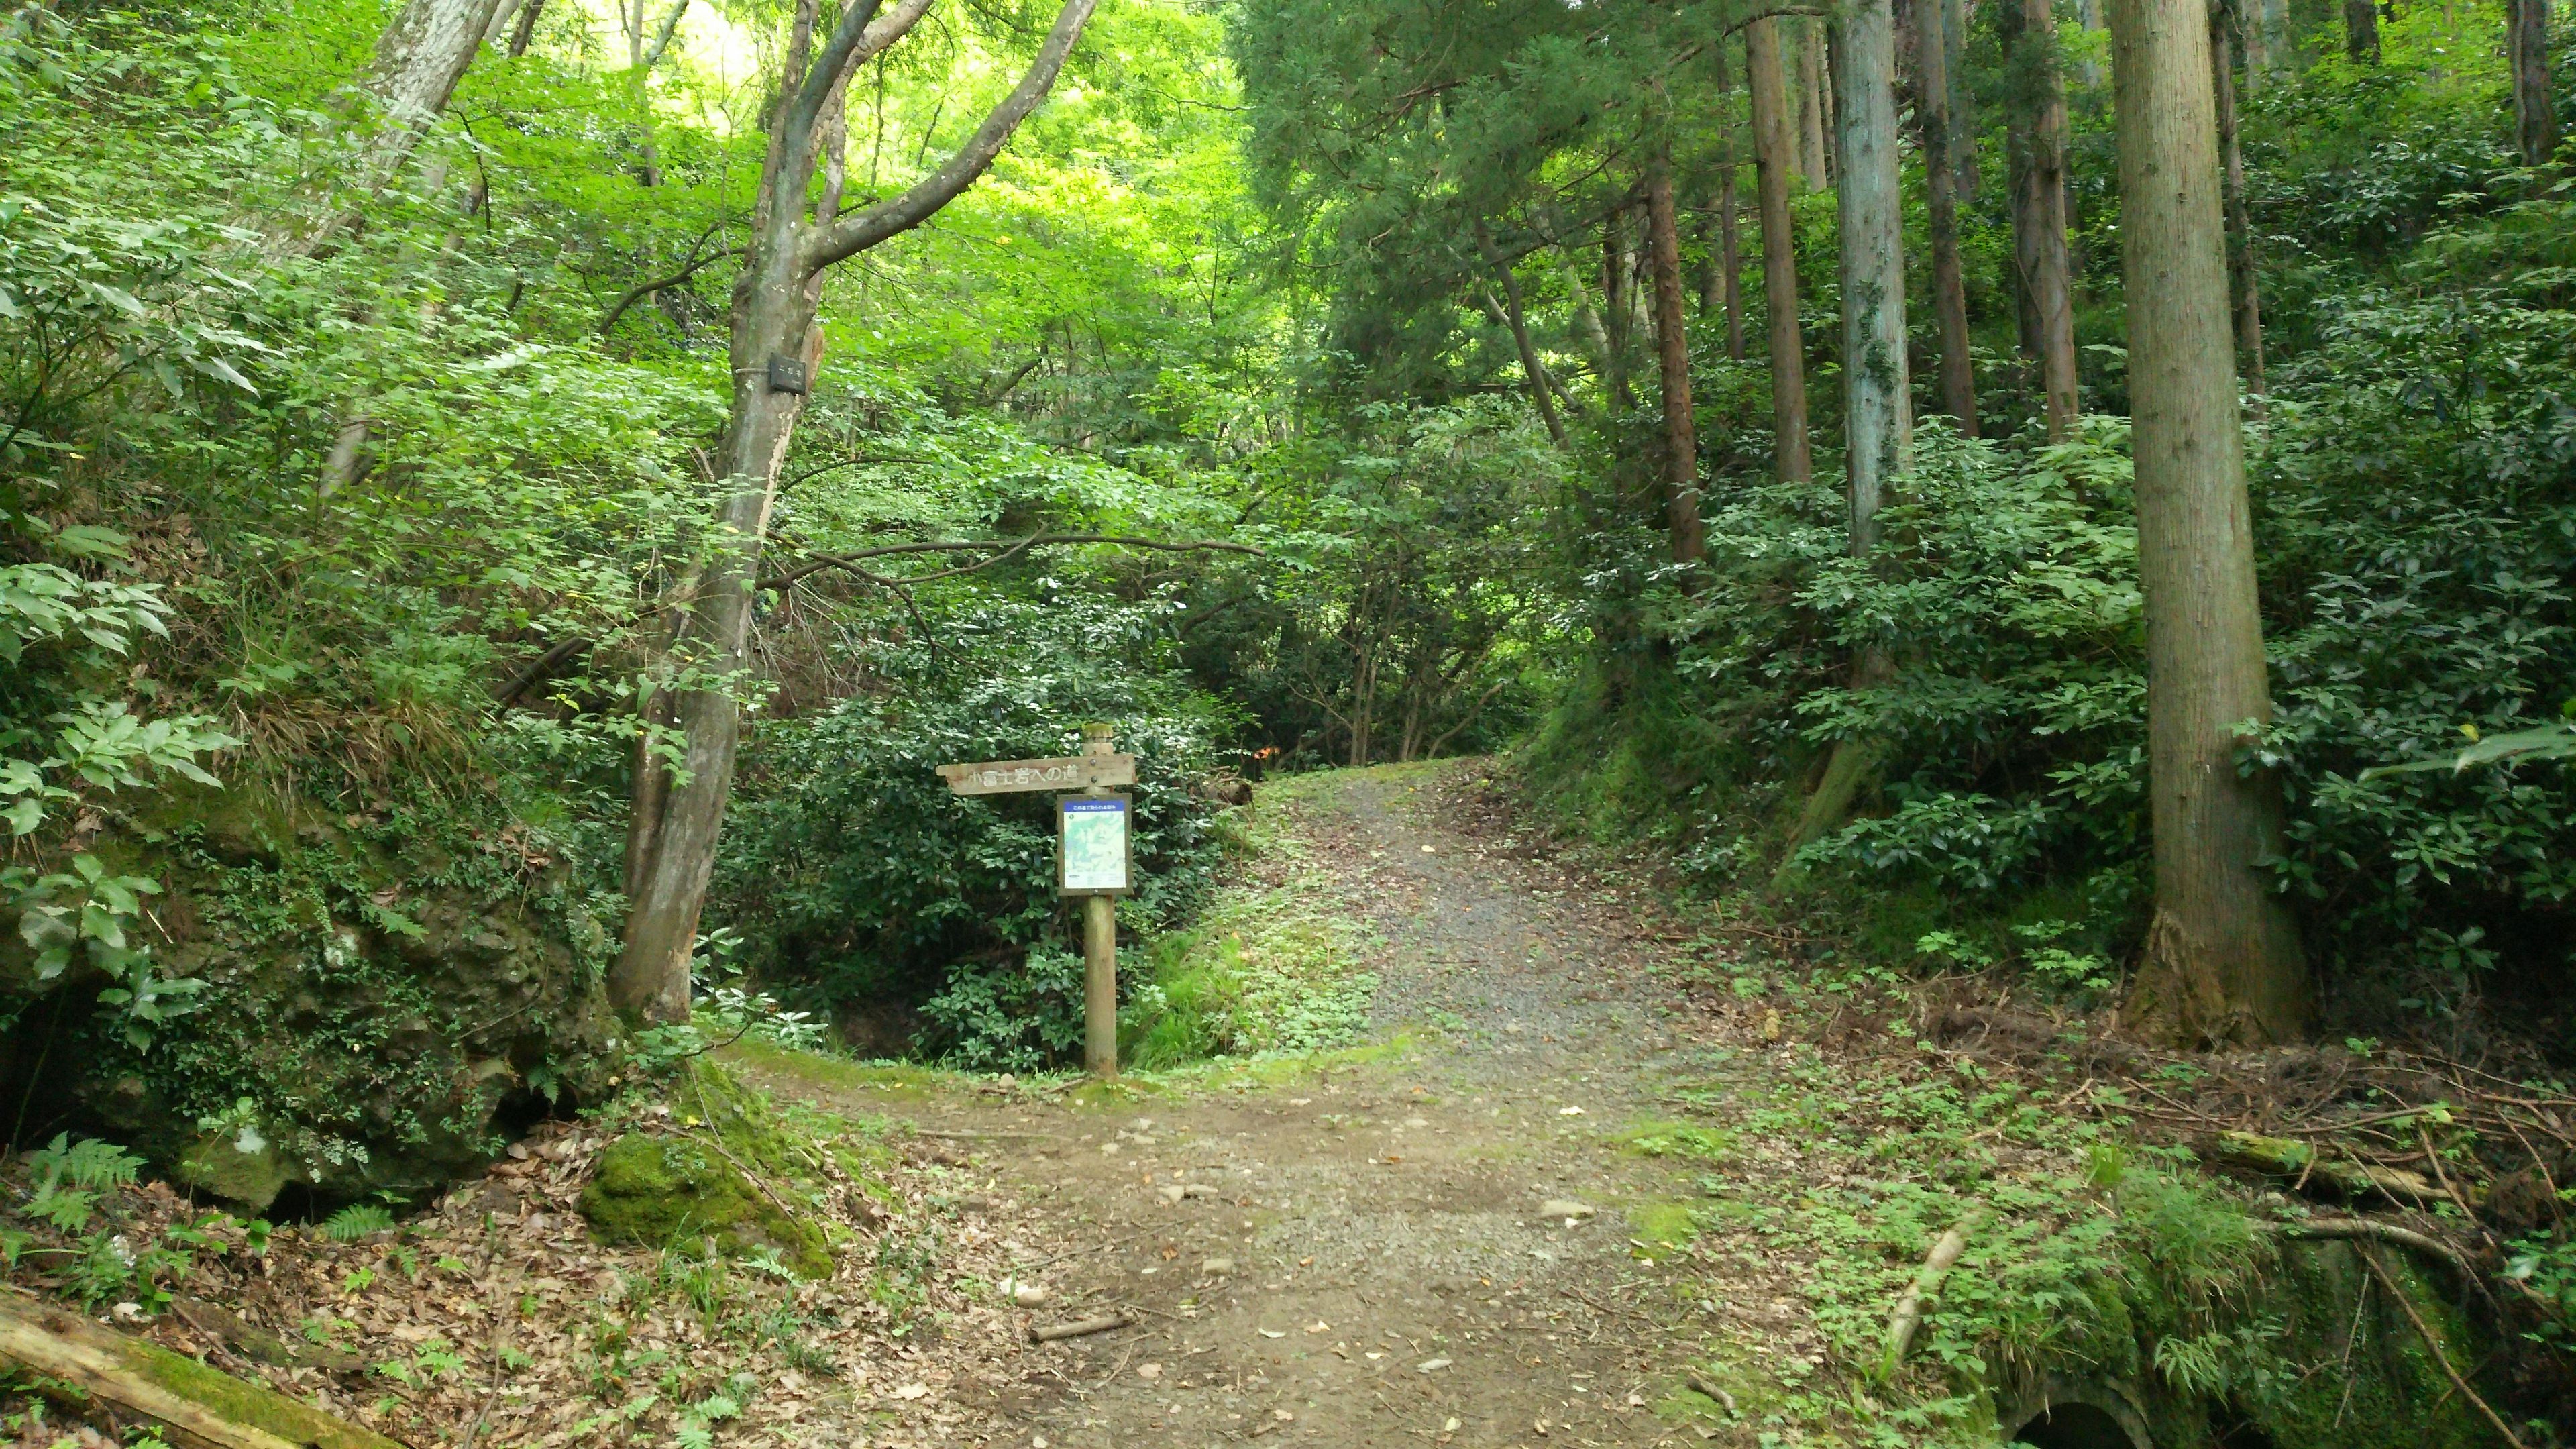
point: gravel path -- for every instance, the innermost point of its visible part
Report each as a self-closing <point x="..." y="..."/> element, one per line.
<point x="1380" y="1249"/>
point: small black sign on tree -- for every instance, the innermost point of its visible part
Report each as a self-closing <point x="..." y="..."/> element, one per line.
<point x="1095" y="859"/>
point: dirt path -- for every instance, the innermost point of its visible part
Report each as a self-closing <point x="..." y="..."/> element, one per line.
<point x="1379" y="1249"/>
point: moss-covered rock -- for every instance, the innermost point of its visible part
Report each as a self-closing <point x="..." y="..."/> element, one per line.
<point x="382" y="993"/>
<point x="659" y="1189"/>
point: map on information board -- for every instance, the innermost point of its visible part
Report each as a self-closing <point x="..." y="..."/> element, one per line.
<point x="1094" y="842"/>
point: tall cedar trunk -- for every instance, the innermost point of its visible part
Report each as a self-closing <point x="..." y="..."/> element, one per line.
<point x="1793" y="459"/>
<point x="1730" y="263"/>
<point x="2224" y="18"/>
<point x="1963" y="109"/>
<point x="1811" y="107"/>
<point x="1518" y="321"/>
<point x="774" y="348"/>
<point x="1672" y="353"/>
<point x="2221" y="961"/>
<point x="2361" y="31"/>
<point x="1877" y="411"/>
<point x="1949" y="288"/>
<point x="1879" y="420"/>
<point x="2039" y="202"/>
<point x="2535" y="124"/>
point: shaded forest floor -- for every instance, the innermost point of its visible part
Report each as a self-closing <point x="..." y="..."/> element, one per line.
<point x="1585" y="1178"/>
<point x="1445" y="1235"/>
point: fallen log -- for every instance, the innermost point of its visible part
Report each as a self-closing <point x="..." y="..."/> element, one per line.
<point x="202" y="1408"/>
<point x="2302" y="1163"/>
<point x="1080" y="1327"/>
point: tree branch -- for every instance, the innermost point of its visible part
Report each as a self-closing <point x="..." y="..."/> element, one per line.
<point x="642" y="290"/>
<point x="1004" y="548"/>
<point x="662" y="41"/>
<point x="855" y="233"/>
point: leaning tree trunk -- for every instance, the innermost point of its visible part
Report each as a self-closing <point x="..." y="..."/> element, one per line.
<point x="1517" y="320"/>
<point x="1793" y="459"/>
<point x="2224" y="20"/>
<point x="2222" y="961"/>
<point x="1940" y="177"/>
<point x="775" y="346"/>
<point x="2535" y="124"/>
<point x="1878" y="414"/>
<point x="1672" y="354"/>
<point x="2039" y="202"/>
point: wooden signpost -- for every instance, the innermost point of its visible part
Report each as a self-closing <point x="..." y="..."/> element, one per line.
<point x="1095" y="860"/>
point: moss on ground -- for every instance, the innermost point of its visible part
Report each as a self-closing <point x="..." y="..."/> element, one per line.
<point x="690" y="1178"/>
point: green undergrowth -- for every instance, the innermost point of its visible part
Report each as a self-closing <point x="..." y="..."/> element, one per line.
<point x="1270" y="966"/>
<point x="718" y="1164"/>
<point x="2086" y="1260"/>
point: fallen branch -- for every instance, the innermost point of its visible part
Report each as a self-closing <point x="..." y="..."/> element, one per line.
<point x="2365" y="1230"/>
<point x="2433" y="1346"/>
<point x="1080" y="1327"/>
<point x="1698" y="1383"/>
<point x="1003" y="548"/>
<point x="1908" y="1317"/>
<point x="202" y="1408"/>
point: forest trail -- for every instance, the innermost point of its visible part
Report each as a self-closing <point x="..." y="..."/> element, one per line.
<point x="1375" y="1249"/>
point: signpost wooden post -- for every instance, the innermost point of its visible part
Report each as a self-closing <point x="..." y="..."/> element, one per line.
<point x="1094" y="860"/>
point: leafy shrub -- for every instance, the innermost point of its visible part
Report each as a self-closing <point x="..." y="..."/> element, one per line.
<point x="855" y="876"/>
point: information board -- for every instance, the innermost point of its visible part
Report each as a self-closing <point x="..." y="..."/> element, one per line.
<point x="1093" y="844"/>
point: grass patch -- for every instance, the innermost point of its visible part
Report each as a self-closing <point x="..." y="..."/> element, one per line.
<point x="1270" y="968"/>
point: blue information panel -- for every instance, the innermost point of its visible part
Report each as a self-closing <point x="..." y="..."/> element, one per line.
<point x="1093" y="844"/>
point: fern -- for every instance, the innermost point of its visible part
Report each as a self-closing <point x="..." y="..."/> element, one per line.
<point x="356" y="1221"/>
<point x="71" y="1175"/>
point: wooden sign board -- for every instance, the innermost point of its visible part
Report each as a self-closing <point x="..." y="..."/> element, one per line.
<point x="1074" y="772"/>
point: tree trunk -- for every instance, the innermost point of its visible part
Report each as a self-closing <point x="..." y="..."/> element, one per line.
<point x="1963" y="109"/>
<point x="1811" y="107"/>
<point x="1940" y="177"/>
<point x="2535" y="124"/>
<point x="1613" y="376"/>
<point x="526" y="33"/>
<point x="2224" y="19"/>
<point x="1618" y="308"/>
<point x="1672" y="351"/>
<point x="2222" y="960"/>
<point x="1877" y="411"/>
<point x="1877" y="407"/>
<point x="1793" y="458"/>
<point x="2361" y="31"/>
<point x="1518" y="321"/>
<point x="2039" y="202"/>
<point x="1730" y="263"/>
<point x="774" y="349"/>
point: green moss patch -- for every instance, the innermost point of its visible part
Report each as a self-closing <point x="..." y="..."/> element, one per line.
<point x="688" y="1177"/>
<point x="662" y="1190"/>
<point x="1661" y="1225"/>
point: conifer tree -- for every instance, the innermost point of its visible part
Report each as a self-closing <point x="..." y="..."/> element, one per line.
<point x="2222" y="960"/>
